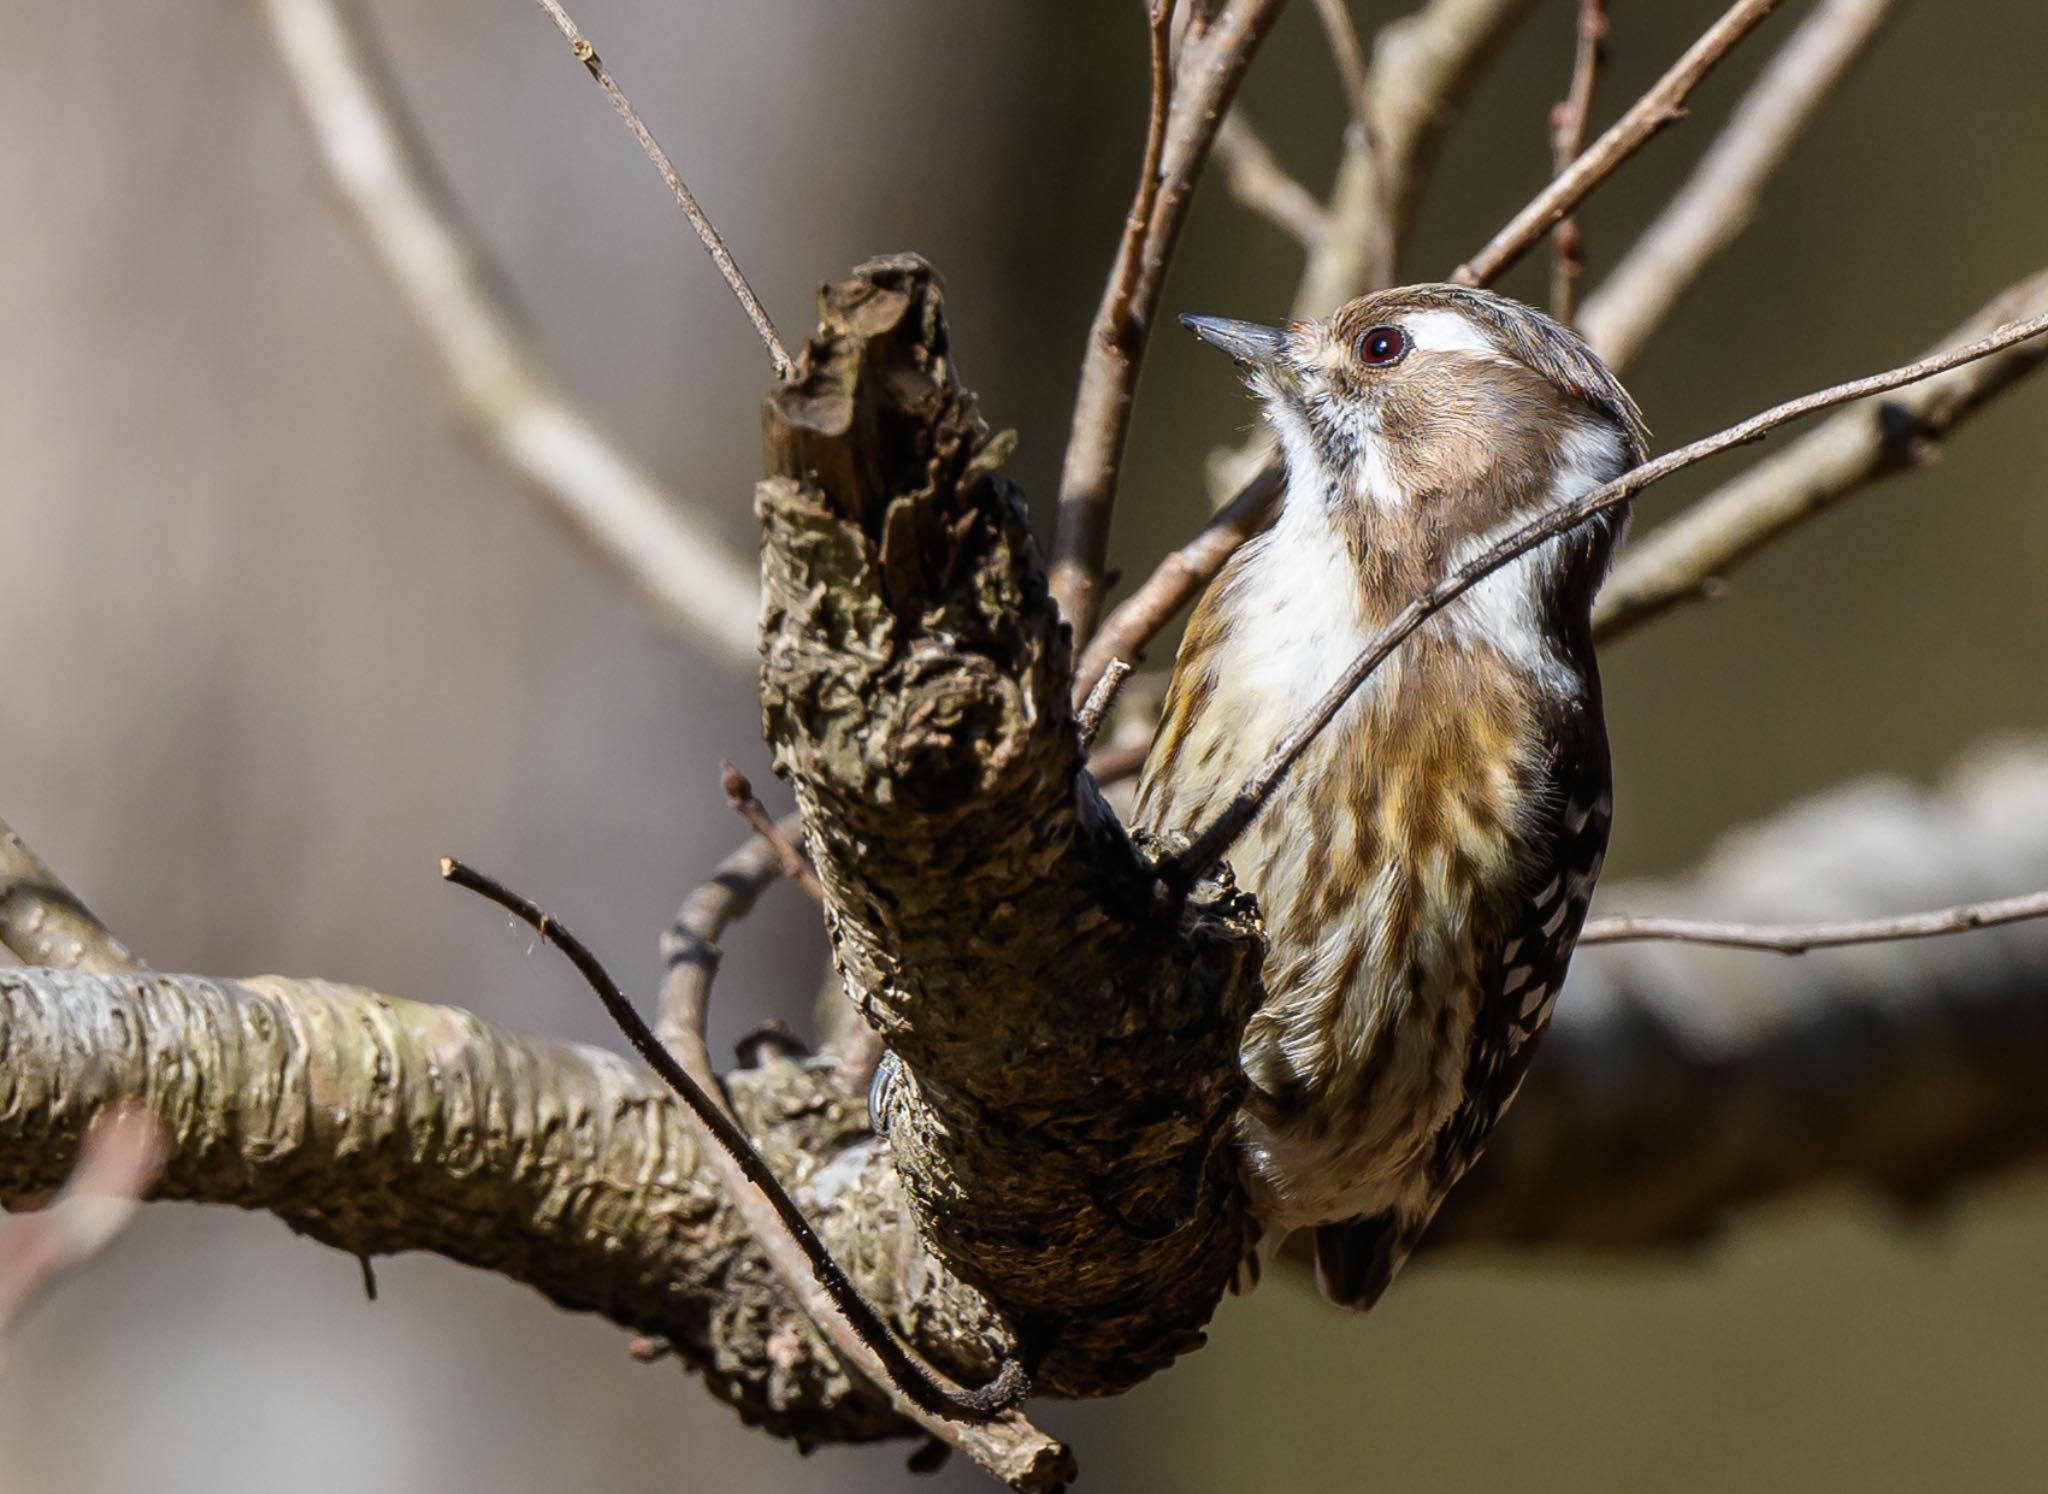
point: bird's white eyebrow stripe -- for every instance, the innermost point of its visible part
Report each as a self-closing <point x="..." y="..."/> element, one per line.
<point x="1439" y="330"/>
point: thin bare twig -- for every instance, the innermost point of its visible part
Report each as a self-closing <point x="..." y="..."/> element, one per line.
<point x="903" y="1374"/>
<point x="739" y="793"/>
<point x="1661" y="106"/>
<point x="1720" y="199"/>
<point x="393" y="193"/>
<point x="122" y="1155"/>
<point x="1100" y="699"/>
<point x="1258" y="181"/>
<point x="44" y="922"/>
<point x="1568" y="123"/>
<point x="1798" y="938"/>
<point x="1349" y="54"/>
<point x="1210" y="846"/>
<point x="585" y="53"/>
<point x="1189" y="99"/>
<point x="1682" y="561"/>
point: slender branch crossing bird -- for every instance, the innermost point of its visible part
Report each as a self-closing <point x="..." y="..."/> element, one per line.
<point x="1425" y="869"/>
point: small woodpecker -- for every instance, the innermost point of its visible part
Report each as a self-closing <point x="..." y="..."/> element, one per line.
<point x="1425" y="869"/>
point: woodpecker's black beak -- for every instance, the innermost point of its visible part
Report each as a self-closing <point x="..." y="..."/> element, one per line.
<point x="1247" y="343"/>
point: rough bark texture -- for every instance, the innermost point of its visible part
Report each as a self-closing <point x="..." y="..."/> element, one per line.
<point x="1067" y="1042"/>
<point x="1676" y="1085"/>
<point x="377" y="1125"/>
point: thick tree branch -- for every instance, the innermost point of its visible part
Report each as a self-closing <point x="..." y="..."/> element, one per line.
<point x="1188" y="105"/>
<point x="1720" y="199"/>
<point x="377" y="1125"/>
<point x="1675" y="1086"/>
<point x="1662" y="105"/>
<point x="393" y="193"/>
<point x="1682" y="561"/>
<point x="1067" y="1047"/>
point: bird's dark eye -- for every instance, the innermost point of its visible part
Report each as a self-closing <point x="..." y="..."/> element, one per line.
<point x="1379" y="346"/>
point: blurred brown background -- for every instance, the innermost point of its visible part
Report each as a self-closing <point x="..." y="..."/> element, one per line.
<point x="277" y="636"/>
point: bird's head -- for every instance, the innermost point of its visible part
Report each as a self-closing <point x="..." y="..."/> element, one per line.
<point x="1440" y="409"/>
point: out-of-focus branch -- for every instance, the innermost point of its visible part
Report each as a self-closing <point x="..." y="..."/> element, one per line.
<point x="1189" y="101"/>
<point x="690" y="952"/>
<point x="1348" y="52"/>
<point x="1568" y="123"/>
<point x="392" y="192"/>
<point x="1258" y="180"/>
<point x="1677" y="1084"/>
<point x="44" y="922"/>
<point x="1682" y="561"/>
<point x="707" y="234"/>
<point x="122" y="1154"/>
<point x="1662" y="105"/>
<point x="1720" y="199"/>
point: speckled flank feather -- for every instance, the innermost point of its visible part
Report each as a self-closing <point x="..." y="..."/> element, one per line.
<point x="1424" y="870"/>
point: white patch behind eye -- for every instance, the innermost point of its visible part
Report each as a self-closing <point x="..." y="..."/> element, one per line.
<point x="1441" y="330"/>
